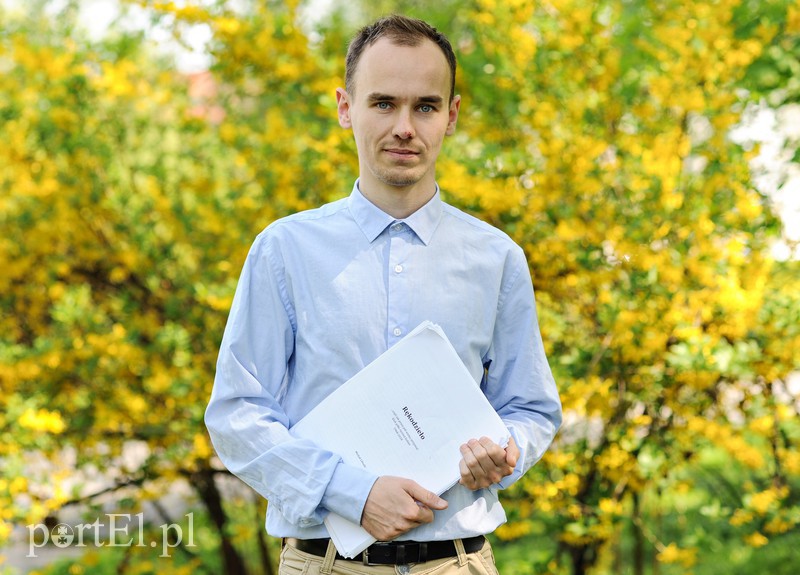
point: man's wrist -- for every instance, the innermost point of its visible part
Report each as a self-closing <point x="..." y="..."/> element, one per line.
<point x="347" y="491"/>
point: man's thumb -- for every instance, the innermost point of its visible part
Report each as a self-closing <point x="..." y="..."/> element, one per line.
<point x="427" y="498"/>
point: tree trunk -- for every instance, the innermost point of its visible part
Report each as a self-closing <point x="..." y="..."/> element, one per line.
<point x="583" y="557"/>
<point x="203" y="482"/>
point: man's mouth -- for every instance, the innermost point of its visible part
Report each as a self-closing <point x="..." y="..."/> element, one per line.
<point x="404" y="152"/>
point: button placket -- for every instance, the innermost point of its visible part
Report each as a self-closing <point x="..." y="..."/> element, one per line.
<point x="398" y="288"/>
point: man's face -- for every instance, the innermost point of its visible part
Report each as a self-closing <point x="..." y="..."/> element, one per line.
<point x="399" y="114"/>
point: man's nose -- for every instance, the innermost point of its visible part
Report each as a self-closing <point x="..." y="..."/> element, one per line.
<point x="403" y="126"/>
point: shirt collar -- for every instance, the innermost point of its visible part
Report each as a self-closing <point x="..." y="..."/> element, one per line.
<point x="372" y="220"/>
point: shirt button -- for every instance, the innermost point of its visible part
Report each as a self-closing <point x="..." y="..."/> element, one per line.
<point x="398" y="268"/>
<point x="397" y="331"/>
<point x="397" y="227"/>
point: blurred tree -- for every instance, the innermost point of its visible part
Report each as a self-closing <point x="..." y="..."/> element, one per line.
<point x="127" y="209"/>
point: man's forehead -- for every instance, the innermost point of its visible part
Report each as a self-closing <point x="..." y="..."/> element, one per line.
<point x="390" y="67"/>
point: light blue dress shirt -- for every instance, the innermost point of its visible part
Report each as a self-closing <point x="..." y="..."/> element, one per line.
<point x="326" y="291"/>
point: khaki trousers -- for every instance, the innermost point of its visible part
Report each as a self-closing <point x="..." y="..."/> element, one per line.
<point x="294" y="562"/>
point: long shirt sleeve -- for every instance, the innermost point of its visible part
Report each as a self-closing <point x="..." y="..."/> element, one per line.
<point x="249" y="426"/>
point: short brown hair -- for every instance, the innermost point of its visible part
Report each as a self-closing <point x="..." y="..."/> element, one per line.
<point x="403" y="31"/>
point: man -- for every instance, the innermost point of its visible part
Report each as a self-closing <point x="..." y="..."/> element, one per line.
<point x="326" y="291"/>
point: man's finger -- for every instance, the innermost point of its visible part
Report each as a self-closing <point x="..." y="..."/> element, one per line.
<point x="467" y="478"/>
<point x="428" y="499"/>
<point x="496" y="453"/>
<point x="470" y="453"/>
<point x="512" y="453"/>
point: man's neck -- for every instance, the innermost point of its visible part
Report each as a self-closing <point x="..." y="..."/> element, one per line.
<point x="399" y="202"/>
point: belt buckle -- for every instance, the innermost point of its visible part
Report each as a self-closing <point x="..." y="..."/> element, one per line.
<point x="400" y="556"/>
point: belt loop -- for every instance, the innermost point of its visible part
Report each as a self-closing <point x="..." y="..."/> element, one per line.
<point x="330" y="557"/>
<point x="423" y="552"/>
<point x="462" y="554"/>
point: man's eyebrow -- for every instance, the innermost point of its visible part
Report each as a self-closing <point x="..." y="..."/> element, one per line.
<point x="431" y="100"/>
<point x="378" y="97"/>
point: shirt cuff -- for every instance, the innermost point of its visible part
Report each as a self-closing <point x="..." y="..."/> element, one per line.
<point x="347" y="491"/>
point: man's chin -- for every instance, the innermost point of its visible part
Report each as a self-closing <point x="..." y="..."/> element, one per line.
<point x="399" y="180"/>
<point x="401" y="183"/>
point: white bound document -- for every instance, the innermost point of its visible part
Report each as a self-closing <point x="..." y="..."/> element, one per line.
<point x="405" y="414"/>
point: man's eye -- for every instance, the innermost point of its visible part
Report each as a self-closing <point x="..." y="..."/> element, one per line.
<point x="383" y="105"/>
<point x="425" y="108"/>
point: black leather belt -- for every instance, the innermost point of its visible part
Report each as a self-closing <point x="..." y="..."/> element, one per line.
<point x="393" y="552"/>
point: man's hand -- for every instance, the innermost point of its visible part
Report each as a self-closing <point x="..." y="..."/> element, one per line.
<point x="396" y="505"/>
<point x="485" y="463"/>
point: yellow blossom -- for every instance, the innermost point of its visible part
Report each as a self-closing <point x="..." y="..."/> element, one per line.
<point x="762" y="502"/>
<point x="5" y="532"/>
<point x="513" y="530"/>
<point x="202" y="447"/>
<point x="777" y="525"/>
<point x="42" y="420"/>
<point x="674" y="554"/>
<point x="610" y="506"/>
<point x="762" y="424"/>
<point x="756" y="539"/>
<point x="740" y="517"/>
<point x="18" y="485"/>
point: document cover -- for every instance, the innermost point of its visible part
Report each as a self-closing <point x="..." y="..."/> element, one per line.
<point x="405" y="414"/>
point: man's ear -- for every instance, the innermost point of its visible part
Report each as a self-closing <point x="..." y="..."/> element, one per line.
<point x="455" y="106"/>
<point x="343" y="107"/>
